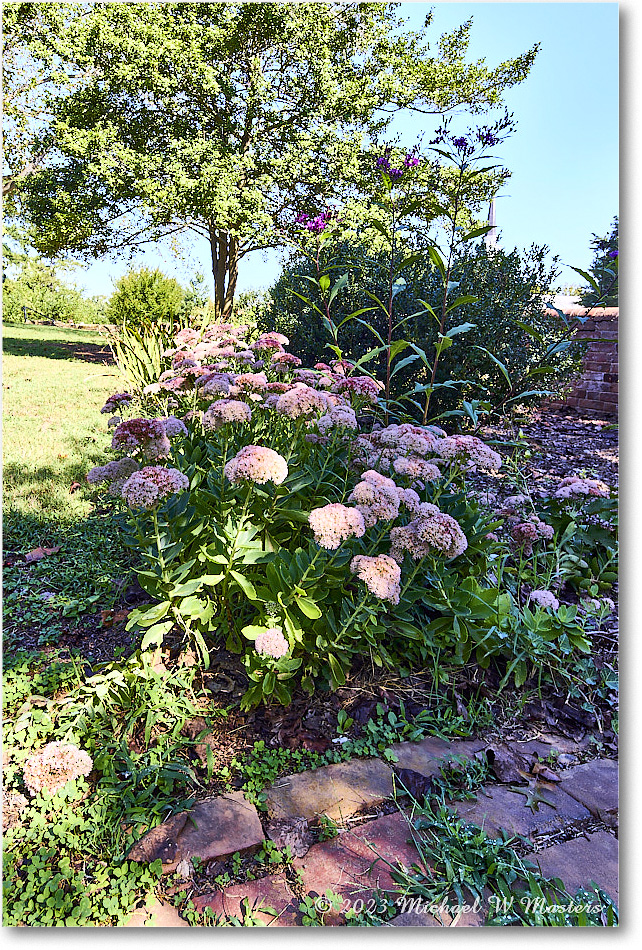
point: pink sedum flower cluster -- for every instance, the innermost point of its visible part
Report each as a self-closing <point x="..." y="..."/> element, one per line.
<point x="574" y="487"/>
<point x="148" y="436"/>
<point x="150" y="486"/>
<point x="470" y="450"/>
<point x="339" y="416"/>
<point x="381" y="575"/>
<point x="525" y="533"/>
<point x="433" y="532"/>
<point x="376" y="497"/>
<point x="257" y="464"/>
<point x="301" y="400"/>
<point x="334" y="524"/>
<point x="271" y="642"/>
<point x="54" y="765"/>
<point x="544" y="598"/>
<point x="115" y="402"/>
<point x="224" y="411"/>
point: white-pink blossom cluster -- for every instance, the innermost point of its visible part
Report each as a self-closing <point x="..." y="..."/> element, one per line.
<point x="525" y="533"/>
<point x="376" y="497"/>
<point x="381" y="575"/>
<point x="339" y="416"/>
<point x="573" y="487"/>
<point x="301" y="400"/>
<point x="54" y="765"/>
<point x="285" y="361"/>
<point x="120" y="468"/>
<point x="544" y="598"/>
<point x="360" y="387"/>
<point x="115" y="402"/>
<point x="270" y="341"/>
<point x="215" y="384"/>
<point x="250" y="382"/>
<point x="407" y="439"/>
<point x="415" y="467"/>
<point x="225" y="411"/>
<point x="469" y="450"/>
<point x="174" y="427"/>
<point x="258" y="464"/>
<point x="433" y="532"/>
<point x="150" y="486"/>
<point x="271" y="642"/>
<point x="334" y="524"/>
<point x="145" y="435"/>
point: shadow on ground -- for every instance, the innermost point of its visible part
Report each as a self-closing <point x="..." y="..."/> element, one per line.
<point x="55" y="350"/>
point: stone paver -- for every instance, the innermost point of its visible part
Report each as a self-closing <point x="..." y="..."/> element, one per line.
<point x="271" y="892"/>
<point x="338" y="791"/>
<point x="582" y="860"/>
<point x="594" y="784"/>
<point x="502" y="808"/>
<point x="468" y="917"/>
<point x="429" y="755"/>
<point x="350" y="867"/>
<point x="211" y="830"/>
<point x="157" y="914"/>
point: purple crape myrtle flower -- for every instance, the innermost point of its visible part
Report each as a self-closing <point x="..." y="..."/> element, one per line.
<point x="394" y="174"/>
<point x="613" y="254"/>
<point x="410" y="161"/>
<point x="383" y="162"/>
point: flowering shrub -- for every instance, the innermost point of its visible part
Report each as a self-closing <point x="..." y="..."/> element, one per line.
<point x="289" y="525"/>
<point x="55" y="765"/>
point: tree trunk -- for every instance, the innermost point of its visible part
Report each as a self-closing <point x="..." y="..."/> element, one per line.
<point x="225" y="270"/>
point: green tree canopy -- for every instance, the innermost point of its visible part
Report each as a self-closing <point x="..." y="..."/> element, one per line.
<point x="227" y="119"/>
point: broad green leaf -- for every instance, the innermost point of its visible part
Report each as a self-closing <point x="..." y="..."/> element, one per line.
<point x="246" y="585"/>
<point x="154" y="636"/>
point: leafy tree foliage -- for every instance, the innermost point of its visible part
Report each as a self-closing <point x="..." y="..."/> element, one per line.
<point x="34" y="289"/>
<point x="603" y="270"/>
<point x="227" y="119"/>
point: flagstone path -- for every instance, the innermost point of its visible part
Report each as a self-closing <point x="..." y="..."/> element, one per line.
<point x="572" y="825"/>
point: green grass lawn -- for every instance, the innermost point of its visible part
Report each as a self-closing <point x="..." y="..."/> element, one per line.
<point x="54" y="385"/>
<point x="55" y="381"/>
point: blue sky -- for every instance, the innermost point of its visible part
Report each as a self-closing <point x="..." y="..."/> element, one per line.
<point x="563" y="155"/>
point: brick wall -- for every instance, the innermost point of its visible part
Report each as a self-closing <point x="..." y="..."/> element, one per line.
<point x="595" y="390"/>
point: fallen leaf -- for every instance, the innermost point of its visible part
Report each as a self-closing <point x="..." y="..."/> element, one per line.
<point x="508" y="764"/>
<point x="544" y="772"/>
<point x="416" y="785"/>
<point x="292" y="833"/>
<point x="38" y="553"/>
<point x="74" y="487"/>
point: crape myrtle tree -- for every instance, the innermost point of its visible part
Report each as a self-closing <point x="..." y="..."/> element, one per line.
<point x="229" y="119"/>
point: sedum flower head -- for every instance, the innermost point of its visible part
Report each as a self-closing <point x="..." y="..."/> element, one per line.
<point x="150" y="486"/>
<point x="574" y="487"/>
<point x="301" y="400"/>
<point x="334" y="524"/>
<point x="469" y="449"/>
<point x="257" y="464"/>
<point x="271" y="642"/>
<point x="224" y="411"/>
<point x="381" y="575"/>
<point x="54" y="765"/>
<point x="145" y="435"/>
<point x="544" y="598"/>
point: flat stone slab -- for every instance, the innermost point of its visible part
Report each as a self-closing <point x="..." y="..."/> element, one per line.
<point x="354" y="864"/>
<point x="594" y="784"/>
<point x="429" y="755"/>
<point x="504" y="808"/>
<point x="211" y="830"/>
<point x="582" y="860"/>
<point x="271" y="892"/>
<point x="157" y="914"/>
<point x="338" y="791"/>
<point x="468" y="916"/>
